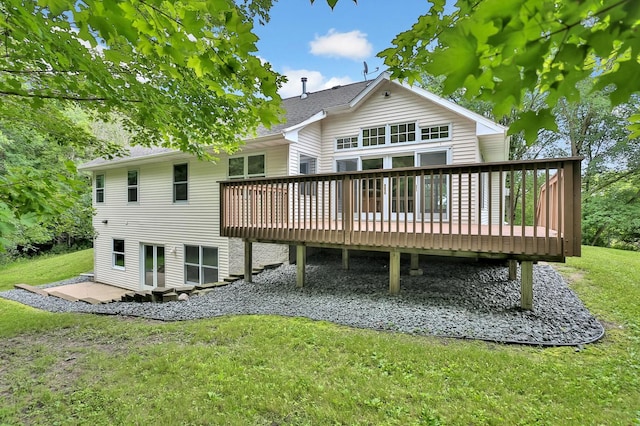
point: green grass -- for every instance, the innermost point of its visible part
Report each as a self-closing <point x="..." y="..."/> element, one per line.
<point x="45" y="269"/>
<point x="85" y="369"/>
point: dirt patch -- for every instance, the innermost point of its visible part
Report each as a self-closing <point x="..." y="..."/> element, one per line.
<point x="57" y="359"/>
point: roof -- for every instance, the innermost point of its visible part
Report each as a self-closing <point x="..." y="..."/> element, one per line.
<point x="300" y="111"/>
<point x="135" y="152"/>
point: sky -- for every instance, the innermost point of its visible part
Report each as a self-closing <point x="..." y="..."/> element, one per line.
<point x="329" y="46"/>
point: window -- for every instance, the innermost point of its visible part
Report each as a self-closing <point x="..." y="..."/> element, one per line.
<point x="247" y="166"/>
<point x="99" y="188"/>
<point x="236" y="168"/>
<point x="307" y="167"/>
<point x="435" y="132"/>
<point x="346" y="143"/>
<point x="118" y="254"/>
<point x="200" y="265"/>
<point x="401" y="133"/>
<point x="255" y="165"/>
<point x="180" y="182"/>
<point x="132" y="186"/>
<point x="373" y="136"/>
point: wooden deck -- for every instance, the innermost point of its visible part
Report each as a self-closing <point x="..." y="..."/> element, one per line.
<point x="524" y="211"/>
<point x="492" y="241"/>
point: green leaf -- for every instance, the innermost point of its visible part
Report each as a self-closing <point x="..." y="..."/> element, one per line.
<point x="531" y="122"/>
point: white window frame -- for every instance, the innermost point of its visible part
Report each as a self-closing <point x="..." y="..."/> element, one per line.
<point x="100" y="189"/>
<point x="440" y="130"/>
<point x="136" y="186"/>
<point x="349" y="140"/>
<point x="245" y="169"/>
<point x="376" y="137"/>
<point x="182" y="182"/>
<point x="200" y="265"/>
<point x="115" y="253"/>
<point x="406" y="133"/>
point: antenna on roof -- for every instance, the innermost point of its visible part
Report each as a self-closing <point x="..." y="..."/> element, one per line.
<point x="366" y="72"/>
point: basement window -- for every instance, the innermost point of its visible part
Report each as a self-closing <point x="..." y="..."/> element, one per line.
<point x="118" y="254"/>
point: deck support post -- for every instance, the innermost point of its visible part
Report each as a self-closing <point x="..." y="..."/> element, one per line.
<point x="345" y="259"/>
<point x="513" y="269"/>
<point x="394" y="272"/>
<point x="248" y="261"/>
<point x="301" y="260"/>
<point x="526" y="284"/>
<point x="415" y="265"/>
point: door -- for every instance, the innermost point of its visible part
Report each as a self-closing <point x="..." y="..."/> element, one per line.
<point x="435" y="197"/>
<point x="403" y="189"/>
<point x="372" y="190"/>
<point x="153" y="271"/>
<point x="346" y="165"/>
<point x="376" y="201"/>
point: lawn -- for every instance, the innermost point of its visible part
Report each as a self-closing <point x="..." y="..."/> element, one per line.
<point x="85" y="369"/>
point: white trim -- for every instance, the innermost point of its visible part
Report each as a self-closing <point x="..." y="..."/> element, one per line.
<point x="123" y="253"/>
<point x="384" y="76"/>
<point x="201" y="266"/>
<point x="442" y="148"/>
<point x="489" y="126"/>
<point x="95" y="187"/>
<point x="137" y="186"/>
<point x="173" y="182"/>
<point x="448" y="138"/>
<point x="335" y="143"/>
<point x="316" y="117"/>
<point x="119" y="162"/>
<point x="484" y="126"/>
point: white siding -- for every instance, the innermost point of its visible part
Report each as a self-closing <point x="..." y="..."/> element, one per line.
<point x="309" y="140"/>
<point x="155" y="219"/>
<point x="403" y="106"/>
<point x="400" y="107"/>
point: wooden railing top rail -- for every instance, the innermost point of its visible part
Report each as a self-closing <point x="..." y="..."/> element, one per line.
<point x="539" y="164"/>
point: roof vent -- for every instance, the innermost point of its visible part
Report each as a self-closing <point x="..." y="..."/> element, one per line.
<point x="304" y="88"/>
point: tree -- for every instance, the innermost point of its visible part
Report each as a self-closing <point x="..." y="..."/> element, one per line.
<point x="181" y="74"/>
<point x="42" y="197"/>
<point x="505" y="50"/>
<point x="611" y="215"/>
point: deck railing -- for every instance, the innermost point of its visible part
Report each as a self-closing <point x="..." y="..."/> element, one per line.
<point x="520" y="209"/>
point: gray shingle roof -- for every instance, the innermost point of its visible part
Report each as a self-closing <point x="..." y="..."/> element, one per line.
<point x="299" y="109"/>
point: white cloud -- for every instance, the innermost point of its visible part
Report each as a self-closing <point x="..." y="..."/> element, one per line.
<point x="315" y="82"/>
<point x="352" y="45"/>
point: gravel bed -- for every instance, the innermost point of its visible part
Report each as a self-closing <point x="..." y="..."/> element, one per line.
<point x="451" y="299"/>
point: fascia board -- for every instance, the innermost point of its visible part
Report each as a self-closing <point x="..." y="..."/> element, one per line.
<point x="484" y="126"/>
<point x="111" y="164"/>
<point x="291" y="133"/>
<point x="370" y="88"/>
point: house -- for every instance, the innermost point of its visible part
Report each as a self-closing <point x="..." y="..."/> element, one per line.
<point x="377" y="165"/>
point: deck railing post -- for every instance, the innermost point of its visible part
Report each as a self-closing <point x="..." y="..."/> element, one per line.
<point x="573" y="210"/>
<point x="526" y="284"/>
<point x="394" y="272"/>
<point x="248" y="261"/>
<point x="415" y="265"/>
<point x="347" y="209"/>
<point x="301" y="261"/>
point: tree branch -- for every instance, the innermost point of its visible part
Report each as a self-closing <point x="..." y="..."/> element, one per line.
<point x="62" y="97"/>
